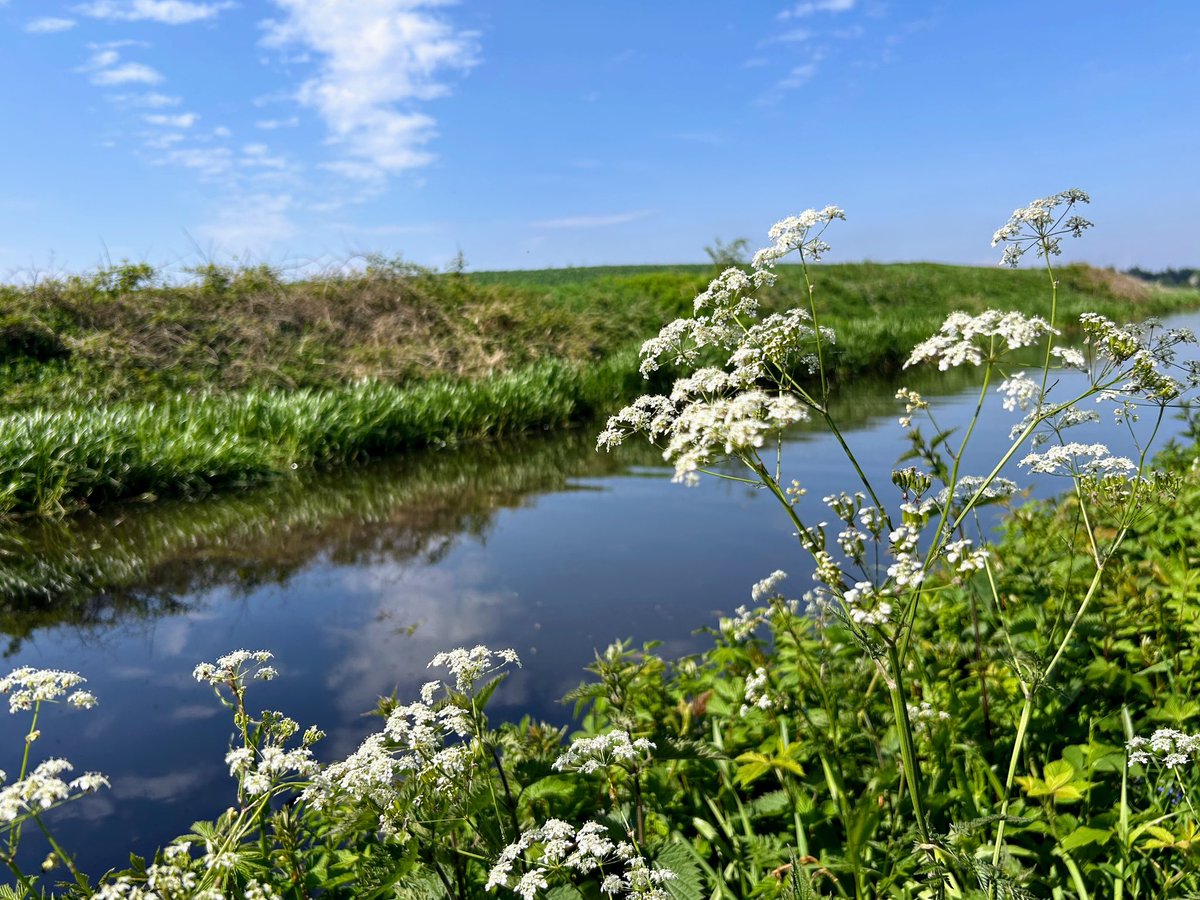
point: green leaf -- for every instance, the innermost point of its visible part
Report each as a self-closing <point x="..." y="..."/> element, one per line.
<point x="1084" y="835"/>
<point x="1057" y="774"/>
<point x="771" y="804"/>
<point x="686" y="884"/>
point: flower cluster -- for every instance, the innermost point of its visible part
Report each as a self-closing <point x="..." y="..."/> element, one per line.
<point x="965" y="339"/>
<point x="797" y="233"/>
<point x="179" y="875"/>
<point x="43" y="788"/>
<point x="1078" y="459"/>
<point x="1167" y="747"/>
<point x="235" y="667"/>
<point x="968" y="486"/>
<point x="468" y="666"/>
<point x="26" y="687"/>
<point x="1020" y="392"/>
<point x="424" y="748"/>
<point x="556" y="845"/>
<point x="1037" y="225"/>
<point x="588" y="755"/>
<point x="707" y="431"/>
<point x="259" y="769"/>
<point x="912" y="402"/>
<point x="716" y="412"/>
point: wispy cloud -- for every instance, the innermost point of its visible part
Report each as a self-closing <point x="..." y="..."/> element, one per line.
<point x="183" y="120"/>
<point x="253" y="222"/>
<point x="792" y="36"/>
<point x="802" y="10"/>
<point x="274" y="124"/>
<point x="127" y="73"/>
<point x="208" y="161"/>
<point x="378" y="59"/>
<point x="602" y="221"/>
<point x="149" y="100"/>
<point x="800" y="75"/>
<point x="166" y="12"/>
<point x="49" y="25"/>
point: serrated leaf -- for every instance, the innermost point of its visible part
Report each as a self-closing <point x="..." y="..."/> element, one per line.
<point x="770" y="804"/>
<point x="679" y="858"/>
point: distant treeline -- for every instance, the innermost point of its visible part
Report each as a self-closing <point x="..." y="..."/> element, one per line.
<point x="1172" y="277"/>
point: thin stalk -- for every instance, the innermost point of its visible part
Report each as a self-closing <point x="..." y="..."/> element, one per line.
<point x="1022" y="726"/>
<point x="62" y="854"/>
<point x="1027" y="709"/>
<point x="908" y="753"/>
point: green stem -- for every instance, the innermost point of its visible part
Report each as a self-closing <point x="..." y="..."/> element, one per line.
<point x="1022" y="726"/>
<point x="61" y="853"/>
<point x="908" y="753"/>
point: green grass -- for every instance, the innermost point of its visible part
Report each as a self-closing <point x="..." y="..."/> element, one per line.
<point x="117" y="384"/>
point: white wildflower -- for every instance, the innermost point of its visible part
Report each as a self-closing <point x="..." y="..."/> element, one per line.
<point x="231" y="666"/>
<point x="588" y="755"/>
<point x="1020" y="392"/>
<point x="27" y="686"/>
<point x="766" y="587"/>
<point x="963" y="337"/>
<point x="468" y="666"/>
<point x="1078" y="459"/>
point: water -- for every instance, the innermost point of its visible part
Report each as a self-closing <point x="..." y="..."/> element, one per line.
<point x="356" y="579"/>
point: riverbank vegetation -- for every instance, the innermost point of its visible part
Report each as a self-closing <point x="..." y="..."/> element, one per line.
<point x="118" y="384"/>
<point x="941" y="715"/>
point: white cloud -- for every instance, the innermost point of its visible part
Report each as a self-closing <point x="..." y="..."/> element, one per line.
<point x="151" y="100"/>
<point x="273" y="124"/>
<point x="164" y="141"/>
<point x="595" y="221"/>
<point x="49" y="25"/>
<point x="377" y="59"/>
<point x="800" y="75"/>
<point x="127" y="73"/>
<point x="166" y="12"/>
<point x="209" y="161"/>
<point x="183" y="120"/>
<point x="251" y="222"/>
<point x="794" y="36"/>
<point x="801" y="10"/>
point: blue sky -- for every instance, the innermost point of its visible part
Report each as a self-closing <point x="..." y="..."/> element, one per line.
<point x="530" y="133"/>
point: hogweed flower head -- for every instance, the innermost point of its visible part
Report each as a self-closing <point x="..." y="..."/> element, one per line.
<point x="236" y="666"/>
<point x="26" y="687"/>
<point x="557" y="846"/>
<point x="1078" y="459"/>
<point x="1166" y="746"/>
<point x="468" y="666"/>
<point x="43" y="788"/>
<point x="801" y="233"/>
<point x="588" y="755"/>
<point x="1039" y="226"/>
<point x="963" y="338"/>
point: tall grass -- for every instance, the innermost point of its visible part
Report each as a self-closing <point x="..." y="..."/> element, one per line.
<point x="55" y="461"/>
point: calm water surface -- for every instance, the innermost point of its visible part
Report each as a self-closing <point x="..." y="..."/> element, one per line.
<point x="356" y="579"/>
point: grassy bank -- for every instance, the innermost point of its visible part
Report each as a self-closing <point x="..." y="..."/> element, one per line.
<point x="118" y="385"/>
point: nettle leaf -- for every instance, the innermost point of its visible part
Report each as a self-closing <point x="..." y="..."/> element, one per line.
<point x="680" y="859"/>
